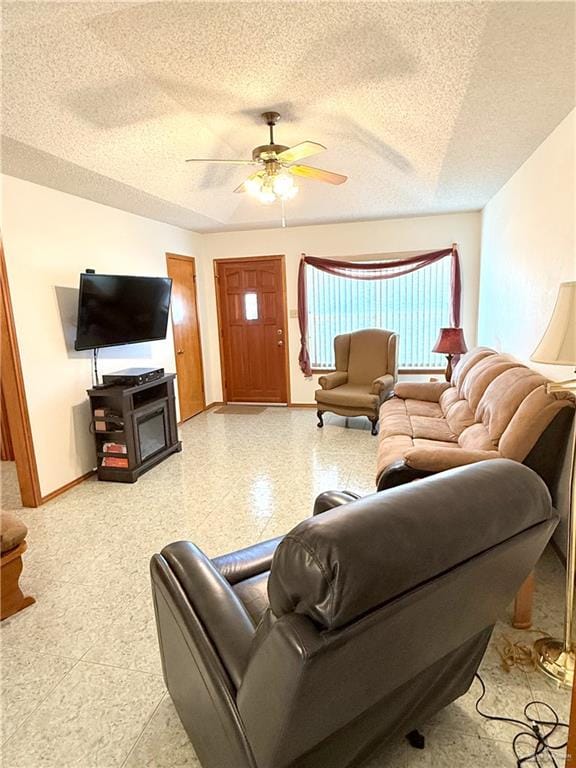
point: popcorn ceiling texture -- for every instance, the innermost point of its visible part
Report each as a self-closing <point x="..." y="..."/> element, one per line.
<point x="428" y="107"/>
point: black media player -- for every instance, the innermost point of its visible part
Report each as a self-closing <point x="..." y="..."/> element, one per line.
<point x="132" y="377"/>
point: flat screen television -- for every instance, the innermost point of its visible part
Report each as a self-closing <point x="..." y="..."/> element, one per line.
<point x="118" y="309"/>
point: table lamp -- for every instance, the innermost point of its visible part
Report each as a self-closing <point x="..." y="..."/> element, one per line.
<point x="558" y="347"/>
<point x="450" y="342"/>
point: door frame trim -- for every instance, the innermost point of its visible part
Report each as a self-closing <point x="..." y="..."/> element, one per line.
<point x="14" y="391"/>
<point x="240" y="259"/>
<point x="181" y="257"/>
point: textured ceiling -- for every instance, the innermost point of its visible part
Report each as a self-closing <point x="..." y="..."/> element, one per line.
<point x="428" y="107"/>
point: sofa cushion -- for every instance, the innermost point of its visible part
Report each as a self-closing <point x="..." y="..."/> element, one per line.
<point x="482" y="375"/>
<point x="393" y="405"/>
<point x="421" y="442"/>
<point x="534" y="414"/>
<point x="394" y="424"/>
<point x="503" y="398"/>
<point x="448" y="399"/>
<point x="467" y="362"/>
<point x="391" y="449"/>
<point x="459" y="416"/>
<point x="348" y="395"/>
<point x="423" y="408"/>
<point x="476" y="438"/>
<point x="432" y="429"/>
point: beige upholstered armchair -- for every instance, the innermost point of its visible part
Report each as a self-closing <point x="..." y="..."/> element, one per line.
<point x="366" y="371"/>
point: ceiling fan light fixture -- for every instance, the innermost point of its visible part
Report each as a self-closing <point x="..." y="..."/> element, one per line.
<point x="253" y="186"/>
<point x="266" y="194"/>
<point x="283" y="184"/>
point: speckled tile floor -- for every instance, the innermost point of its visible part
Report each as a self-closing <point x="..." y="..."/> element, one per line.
<point x="81" y="678"/>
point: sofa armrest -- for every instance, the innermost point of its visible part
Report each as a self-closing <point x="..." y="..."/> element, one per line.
<point x="223" y="616"/>
<point x="330" y="499"/>
<point x="382" y="385"/>
<point x="245" y="563"/>
<point x="421" y="390"/>
<point x="334" y="379"/>
<point x="439" y="459"/>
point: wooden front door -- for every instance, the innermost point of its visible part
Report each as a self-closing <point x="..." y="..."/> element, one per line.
<point x="252" y="317"/>
<point x="190" y="376"/>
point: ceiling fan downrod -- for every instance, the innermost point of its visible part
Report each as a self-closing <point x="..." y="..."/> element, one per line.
<point x="271" y="118"/>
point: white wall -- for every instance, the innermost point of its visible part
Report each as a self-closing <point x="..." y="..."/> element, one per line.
<point x="528" y="248"/>
<point x="422" y="233"/>
<point x="49" y="238"/>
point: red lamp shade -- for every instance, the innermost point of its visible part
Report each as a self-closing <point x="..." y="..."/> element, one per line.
<point x="450" y="341"/>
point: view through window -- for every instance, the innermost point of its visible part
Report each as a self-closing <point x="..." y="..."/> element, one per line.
<point x="415" y="306"/>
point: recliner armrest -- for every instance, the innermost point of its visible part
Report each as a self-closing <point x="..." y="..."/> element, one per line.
<point x="223" y="616"/>
<point x="383" y="384"/>
<point x="334" y="379"/>
<point x="440" y="459"/>
<point x="245" y="563"/>
<point x="421" y="390"/>
<point x="330" y="499"/>
<point x="399" y="473"/>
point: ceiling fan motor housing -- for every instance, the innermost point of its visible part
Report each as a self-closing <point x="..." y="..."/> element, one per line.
<point x="267" y="151"/>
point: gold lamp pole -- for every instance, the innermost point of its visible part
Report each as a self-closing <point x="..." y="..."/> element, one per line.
<point x="556" y="658"/>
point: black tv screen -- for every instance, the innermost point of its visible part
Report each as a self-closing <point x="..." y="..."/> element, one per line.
<point x="115" y="309"/>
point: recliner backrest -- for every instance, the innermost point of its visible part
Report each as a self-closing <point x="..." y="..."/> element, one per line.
<point x="366" y="597"/>
<point x="372" y="352"/>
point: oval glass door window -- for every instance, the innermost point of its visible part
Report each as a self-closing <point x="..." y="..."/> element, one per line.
<point x="251" y="306"/>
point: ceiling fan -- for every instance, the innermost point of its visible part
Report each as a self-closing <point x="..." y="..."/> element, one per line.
<point x="274" y="179"/>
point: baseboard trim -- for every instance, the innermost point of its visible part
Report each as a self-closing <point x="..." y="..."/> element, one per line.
<point x="67" y="487"/>
<point x="302" y="405"/>
<point x="214" y="404"/>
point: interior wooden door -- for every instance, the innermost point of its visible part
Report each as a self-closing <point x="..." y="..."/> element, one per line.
<point x="186" y="327"/>
<point x="6" y="449"/>
<point x="252" y="317"/>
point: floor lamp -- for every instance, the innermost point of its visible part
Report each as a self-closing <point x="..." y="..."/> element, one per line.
<point x="558" y="347"/>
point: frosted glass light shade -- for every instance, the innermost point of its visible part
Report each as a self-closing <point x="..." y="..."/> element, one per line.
<point x="558" y="345"/>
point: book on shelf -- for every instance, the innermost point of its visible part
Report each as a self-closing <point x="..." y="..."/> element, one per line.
<point x="114" y="448"/>
<point x="115" y="461"/>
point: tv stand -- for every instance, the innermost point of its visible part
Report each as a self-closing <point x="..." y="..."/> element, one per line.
<point x="134" y="428"/>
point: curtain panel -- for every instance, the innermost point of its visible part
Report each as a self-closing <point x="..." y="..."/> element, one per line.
<point x="372" y="270"/>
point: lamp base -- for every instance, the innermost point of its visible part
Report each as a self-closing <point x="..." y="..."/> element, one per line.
<point x="555" y="661"/>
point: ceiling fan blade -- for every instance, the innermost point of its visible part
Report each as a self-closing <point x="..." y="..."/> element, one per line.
<point x="242" y="188"/>
<point x="299" y="151"/>
<point x="226" y="162"/>
<point x="317" y="174"/>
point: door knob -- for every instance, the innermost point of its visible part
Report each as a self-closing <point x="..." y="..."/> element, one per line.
<point x="179" y="351"/>
<point x="280" y="343"/>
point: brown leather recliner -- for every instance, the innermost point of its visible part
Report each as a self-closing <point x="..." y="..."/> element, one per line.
<point x="311" y="650"/>
<point x="366" y="371"/>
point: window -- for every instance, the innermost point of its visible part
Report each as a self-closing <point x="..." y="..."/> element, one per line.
<point x="415" y="306"/>
<point x="251" y="306"/>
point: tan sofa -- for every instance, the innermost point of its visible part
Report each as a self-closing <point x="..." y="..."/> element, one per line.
<point x="366" y="371"/>
<point x="494" y="407"/>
